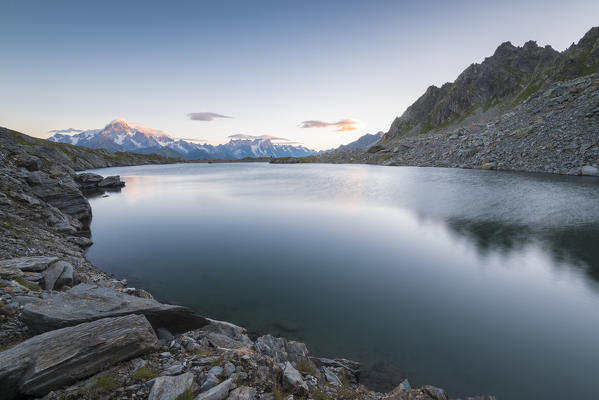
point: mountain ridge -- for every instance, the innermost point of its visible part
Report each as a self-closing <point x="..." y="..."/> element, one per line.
<point x="121" y="135"/>
<point x="526" y="108"/>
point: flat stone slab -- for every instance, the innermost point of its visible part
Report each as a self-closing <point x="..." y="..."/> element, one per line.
<point x="31" y="264"/>
<point x="59" y="358"/>
<point x="85" y="303"/>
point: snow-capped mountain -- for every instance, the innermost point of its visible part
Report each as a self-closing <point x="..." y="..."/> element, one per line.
<point x="120" y="135"/>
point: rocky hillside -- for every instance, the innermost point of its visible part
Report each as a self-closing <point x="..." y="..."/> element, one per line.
<point x="17" y="147"/>
<point x="526" y="108"/>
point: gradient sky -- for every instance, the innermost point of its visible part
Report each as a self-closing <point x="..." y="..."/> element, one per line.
<point x="269" y="65"/>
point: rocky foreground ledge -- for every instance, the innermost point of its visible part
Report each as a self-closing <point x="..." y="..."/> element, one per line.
<point x="71" y="331"/>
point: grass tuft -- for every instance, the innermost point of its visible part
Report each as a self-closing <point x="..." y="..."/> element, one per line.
<point x="27" y="284"/>
<point x="186" y="395"/>
<point x="103" y="383"/>
<point x="305" y="366"/>
<point x="144" y="374"/>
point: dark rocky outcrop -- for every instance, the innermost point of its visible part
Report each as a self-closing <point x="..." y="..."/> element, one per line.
<point x="58" y="358"/>
<point x="85" y="302"/>
<point x="526" y="108"/>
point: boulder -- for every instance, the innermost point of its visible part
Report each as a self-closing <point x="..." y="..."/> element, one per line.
<point x="280" y="349"/>
<point x="80" y="241"/>
<point x="111" y="182"/>
<point x="85" y="302"/>
<point x="424" y="393"/>
<point x="53" y="273"/>
<point x="88" y="180"/>
<point x="489" y="165"/>
<point x="67" y="278"/>
<point x="349" y="369"/>
<point x="31" y="264"/>
<point x="590" y="170"/>
<point x="219" y="392"/>
<point x="243" y="393"/>
<point x="210" y="382"/>
<point x="63" y="193"/>
<point x="331" y="377"/>
<point x="293" y="381"/>
<point x="55" y="359"/>
<point x="171" y="387"/>
<point x="164" y="334"/>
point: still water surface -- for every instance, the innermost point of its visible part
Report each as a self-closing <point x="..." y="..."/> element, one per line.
<point x="479" y="282"/>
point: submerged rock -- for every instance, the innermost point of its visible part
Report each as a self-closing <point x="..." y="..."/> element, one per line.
<point x="84" y="303"/>
<point x="55" y="359"/>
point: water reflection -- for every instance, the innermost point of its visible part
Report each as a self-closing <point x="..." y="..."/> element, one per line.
<point x="569" y="245"/>
<point x="463" y="279"/>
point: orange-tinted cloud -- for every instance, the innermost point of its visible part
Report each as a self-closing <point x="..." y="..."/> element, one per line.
<point x="345" y="125"/>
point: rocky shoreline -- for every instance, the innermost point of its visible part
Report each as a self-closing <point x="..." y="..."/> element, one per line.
<point x="71" y="331"/>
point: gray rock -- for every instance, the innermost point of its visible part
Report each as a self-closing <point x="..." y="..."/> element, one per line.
<point x="219" y="392"/>
<point x="164" y="334"/>
<point x="55" y="359"/>
<point x="435" y="392"/>
<point x="111" y="181"/>
<point x="88" y="180"/>
<point x="243" y="393"/>
<point x="174" y="370"/>
<point x="350" y="369"/>
<point x="84" y="303"/>
<point x="293" y="381"/>
<point x="280" y="349"/>
<point x="229" y="368"/>
<point x="331" y="377"/>
<point x="589" y="170"/>
<point x="216" y="371"/>
<point x="80" y="241"/>
<point x="171" y="387"/>
<point x="53" y="272"/>
<point x="67" y="278"/>
<point x="33" y="264"/>
<point x="210" y="382"/>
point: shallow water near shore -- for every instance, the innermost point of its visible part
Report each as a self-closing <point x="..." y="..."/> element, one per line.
<point x="479" y="282"/>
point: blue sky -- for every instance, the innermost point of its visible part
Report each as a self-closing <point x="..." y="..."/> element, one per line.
<point x="268" y="65"/>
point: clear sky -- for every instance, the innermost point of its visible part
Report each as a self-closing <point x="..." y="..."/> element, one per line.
<point x="270" y="65"/>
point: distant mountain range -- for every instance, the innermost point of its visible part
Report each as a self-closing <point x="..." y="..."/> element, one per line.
<point x="120" y="135"/>
<point x="363" y="142"/>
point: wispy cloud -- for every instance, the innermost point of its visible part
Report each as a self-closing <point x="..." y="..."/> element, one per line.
<point x="205" y="116"/>
<point x="345" y="125"/>
<point x="68" y="130"/>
